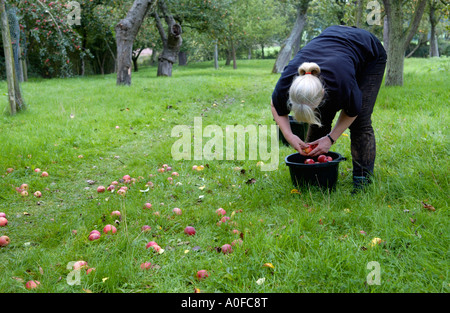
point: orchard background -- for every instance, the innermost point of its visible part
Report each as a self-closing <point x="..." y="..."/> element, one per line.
<point x="85" y="131"/>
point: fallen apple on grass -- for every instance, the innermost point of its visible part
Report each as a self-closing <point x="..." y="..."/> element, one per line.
<point x="38" y="194"/>
<point x="24" y="187"/>
<point x="202" y="274"/>
<point x="32" y="284"/>
<point x="226" y="248"/>
<point x="94" y="236"/>
<point x="146" y="228"/>
<point x="221" y="211"/>
<point x="4" y="241"/>
<point x="101" y="189"/>
<point x="146" y="265"/>
<point x="109" y="229"/>
<point x="79" y="264"/>
<point x="44" y="174"/>
<point x="177" y="211"/>
<point x="115" y="213"/>
<point x="147" y="205"/>
<point x="3" y="221"/>
<point x="189" y="230"/>
<point x="2" y="214"/>
<point x="153" y="245"/>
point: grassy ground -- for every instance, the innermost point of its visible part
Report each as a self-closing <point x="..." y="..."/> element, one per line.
<point x="314" y="241"/>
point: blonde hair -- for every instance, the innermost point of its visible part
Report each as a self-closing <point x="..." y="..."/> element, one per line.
<point x="306" y="93"/>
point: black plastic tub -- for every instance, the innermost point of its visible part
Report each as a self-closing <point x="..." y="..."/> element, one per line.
<point x="298" y="128"/>
<point x="323" y="175"/>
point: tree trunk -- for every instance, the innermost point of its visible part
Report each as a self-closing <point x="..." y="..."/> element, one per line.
<point x="135" y="58"/>
<point x="14" y="94"/>
<point x="359" y="13"/>
<point x="171" y="42"/>
<point x="126" y="31"/>
<point x="285" y="54"/>
<point x="216" y="56"/>
<point x="398" y="39"/>
<point x="23" y="60"/>
<point x="434" y="48"/>
<point x="385" y="33"/>
<point x="182" y="58"/>
<point x="233" y="52"/>
<point x="229" y="57"/>
<point x="422" y="40"/>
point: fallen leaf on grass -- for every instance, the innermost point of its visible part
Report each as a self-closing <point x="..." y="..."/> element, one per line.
<point x="428" y="206"/>
<point x="268" y="265"/>
<point x="250" y="181"/>
<point x="261" y="281"/>
<point x="295" y="191"/>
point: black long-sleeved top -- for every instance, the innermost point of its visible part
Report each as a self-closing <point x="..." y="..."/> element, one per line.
<point x="343" y="54"/>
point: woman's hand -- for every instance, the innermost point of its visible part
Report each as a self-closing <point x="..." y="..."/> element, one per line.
<point x="296" y="143"/>
<point x="323" y="146"/>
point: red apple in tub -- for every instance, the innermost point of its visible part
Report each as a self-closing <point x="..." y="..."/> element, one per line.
<point x="3" y="221"/>
<point x="309" y="161"/>
<point x="189" y="230"/>
<point x="322" y="158"/>
<point x="4" y="241"/>
<point x="329" y="159"/>
<point x="109" y="229"/>
<point x="31" y="284"/>
<point x="202" y="274"/>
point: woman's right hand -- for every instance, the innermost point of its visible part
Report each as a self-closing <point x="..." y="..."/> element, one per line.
<point x="296" y="143"/>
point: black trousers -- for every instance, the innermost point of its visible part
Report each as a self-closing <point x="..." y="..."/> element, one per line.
<point x="363" y="145"/>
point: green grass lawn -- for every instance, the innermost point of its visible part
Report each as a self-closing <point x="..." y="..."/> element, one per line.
<point x="315" y="241"/>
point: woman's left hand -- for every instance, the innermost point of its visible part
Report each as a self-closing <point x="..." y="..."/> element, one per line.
<point x="323" y="146"/>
